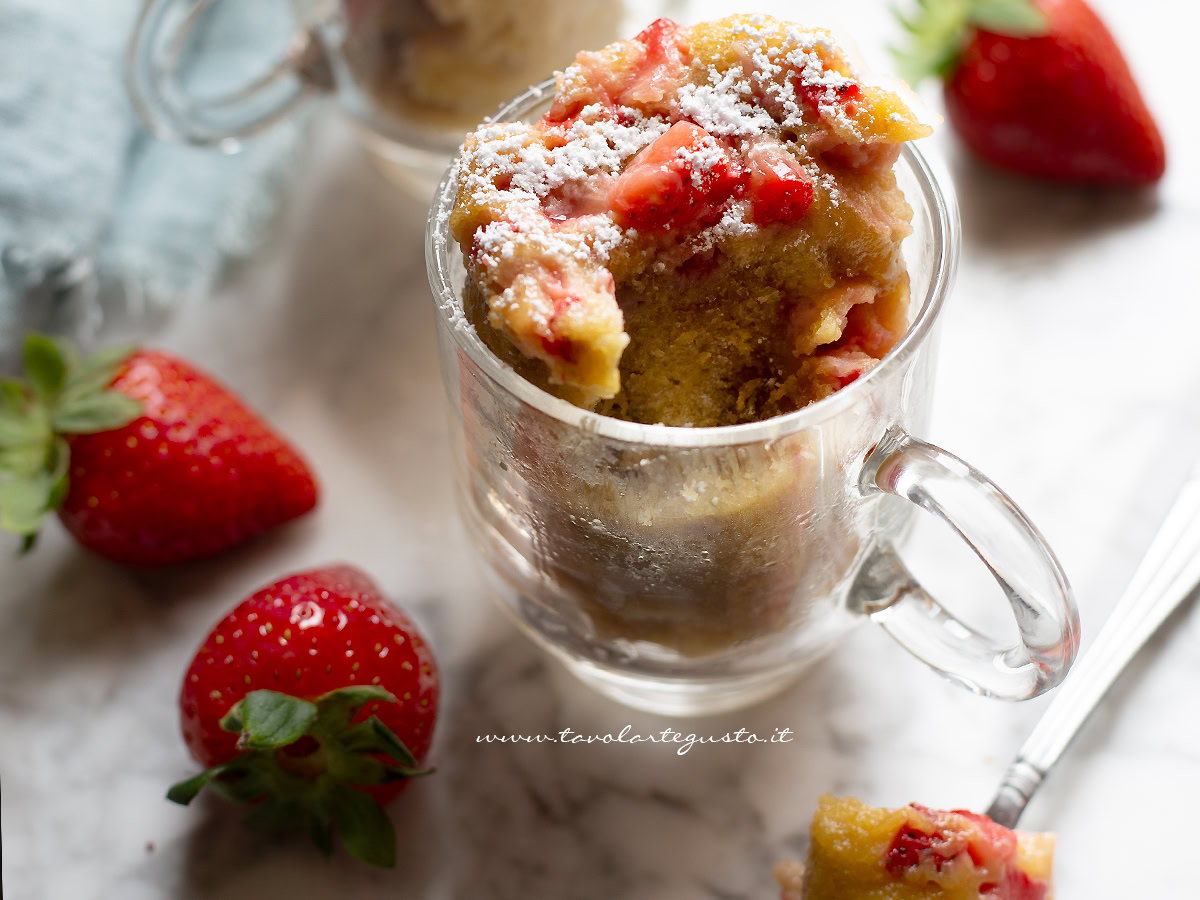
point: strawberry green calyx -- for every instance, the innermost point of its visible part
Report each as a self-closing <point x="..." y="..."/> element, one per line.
<point x="59" y="396"/>
<point x="939" y="29"/>
<point x="303" y="765"/>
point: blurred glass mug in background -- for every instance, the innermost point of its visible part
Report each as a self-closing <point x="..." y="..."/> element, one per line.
<point x="413" y="74"/>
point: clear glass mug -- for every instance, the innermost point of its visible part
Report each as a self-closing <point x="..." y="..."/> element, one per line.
<point x="693" y="570"/>
<point x="414" y="74"/>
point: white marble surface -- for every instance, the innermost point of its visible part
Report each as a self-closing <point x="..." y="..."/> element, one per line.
<point x="1069" y="373"/>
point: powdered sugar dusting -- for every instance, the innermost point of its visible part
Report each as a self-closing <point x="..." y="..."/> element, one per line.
<point x="509" y="165"/>
<point x="720" y="107"/>
<point x="701" y="158"/>
<point x="596" y="144"/>
<point x="542" y="188"/>
<point x="798" y="61"/>
<point x="526" y="226"/>
<point x="732" y="224"/>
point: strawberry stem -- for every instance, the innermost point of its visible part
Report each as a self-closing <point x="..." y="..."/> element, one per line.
<point x="939" y="29"/>
<point x="316" y="786"/>
<point x="59" y="396"/>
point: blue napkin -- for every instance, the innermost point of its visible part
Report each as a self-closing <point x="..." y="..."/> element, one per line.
<point x="102" y="225"/>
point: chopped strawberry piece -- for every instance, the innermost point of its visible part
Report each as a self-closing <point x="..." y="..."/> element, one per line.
<point x="910" y="847"/>
<point x="553" y="343"/>
<point x="1016" y="885"/>
<point x="557" y="124"/>
<point x="780" y="191"/>
<point x="648" y="73"/>
<point x="564" y="348"/>
<point x="656" y="36"/>
<point x="683" y="178"/>
<point x="848" y="379"/>
<point x="686" y="136"/>
<point x="661" y="67"/>
<point x="1002" y="841"/>
<point x="549" y="334"/>
<point x="563" y="299"/>
<point x="815" y="95"/>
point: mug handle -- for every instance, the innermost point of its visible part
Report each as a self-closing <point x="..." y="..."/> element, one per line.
<point x="1004" y="539"/>
<point x="159" y="44"/>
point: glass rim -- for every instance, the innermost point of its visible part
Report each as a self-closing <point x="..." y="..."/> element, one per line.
<point x="937" y="190"/>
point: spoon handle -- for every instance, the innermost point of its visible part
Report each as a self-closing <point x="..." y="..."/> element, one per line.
<point x="1167" y="577"/>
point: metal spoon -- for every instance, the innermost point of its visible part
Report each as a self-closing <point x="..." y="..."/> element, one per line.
<point x="1167" y="577"/>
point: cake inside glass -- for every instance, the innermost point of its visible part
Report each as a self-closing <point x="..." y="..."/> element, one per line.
<point x="702" y="228"/>
<point x="705" y="229"/>
<point x="860" y="852"/>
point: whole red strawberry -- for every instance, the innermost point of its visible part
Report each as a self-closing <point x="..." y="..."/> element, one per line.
<point x="1039" y="87"/>
<point x="148" y="460"/>
<point x="314" y="700"/>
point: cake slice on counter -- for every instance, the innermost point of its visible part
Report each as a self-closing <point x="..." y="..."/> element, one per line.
<point x="859" y="852"/>
<point x="704" y="229"/>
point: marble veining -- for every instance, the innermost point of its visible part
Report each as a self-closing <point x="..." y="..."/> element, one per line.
<point x="1068" y="375"/>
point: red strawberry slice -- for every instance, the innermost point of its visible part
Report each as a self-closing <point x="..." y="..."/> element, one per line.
<point x="662" y="66"/>
<point x="849" y="379"/>
<point x="645" y="81"/>
<point x="563" y="299"/>
<point x="661" y="40"/>
<point x="910" y="847"/>
<point x="314" y="701"/>
<point x="992" y="844"/>
<point x="148" y="460"/>
<point x="780" y="190"/>
<point x="817" y="94"/>
<point x="1016" y="885"/>
<point x="1001" y="841"/>
<point x="680" y="180"/>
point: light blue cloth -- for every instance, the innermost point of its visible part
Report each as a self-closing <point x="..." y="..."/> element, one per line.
<point x="102" y="225"/>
